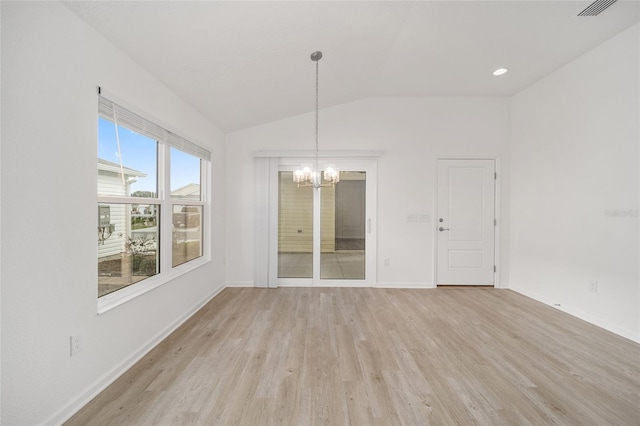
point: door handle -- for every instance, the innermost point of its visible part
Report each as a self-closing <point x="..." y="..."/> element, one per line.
<point x="443" y="229"/>
<point x="368" y="226"/>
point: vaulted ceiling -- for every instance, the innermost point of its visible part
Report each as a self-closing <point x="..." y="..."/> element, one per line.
<point x="246" y="63"/>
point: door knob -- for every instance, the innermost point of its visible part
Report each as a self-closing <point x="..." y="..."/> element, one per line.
<point x="443" y="229"/>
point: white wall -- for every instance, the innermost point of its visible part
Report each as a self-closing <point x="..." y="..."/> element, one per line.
<point x="51" y="65"/>
<point x="412" y="132"/>
<point x="0" y="221"/>
<point x="574" y="156"/>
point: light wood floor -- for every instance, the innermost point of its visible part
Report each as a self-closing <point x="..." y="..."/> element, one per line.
<point x="299" y="356"/>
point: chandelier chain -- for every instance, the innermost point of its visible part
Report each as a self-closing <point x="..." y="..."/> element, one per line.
<point x="317" y="106"/>
<point x="307" y="175"/>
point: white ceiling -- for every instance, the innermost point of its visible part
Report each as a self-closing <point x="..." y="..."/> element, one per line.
<point x="247" y="63"/>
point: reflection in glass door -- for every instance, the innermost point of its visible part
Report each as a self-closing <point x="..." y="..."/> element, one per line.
<point x="343" y="217"/>
<point x="321" y="232"/>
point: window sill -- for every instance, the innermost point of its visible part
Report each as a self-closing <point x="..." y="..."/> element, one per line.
<point x="117" y="298"/>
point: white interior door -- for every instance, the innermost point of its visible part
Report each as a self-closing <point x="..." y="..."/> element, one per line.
<point x="465" y="226"/>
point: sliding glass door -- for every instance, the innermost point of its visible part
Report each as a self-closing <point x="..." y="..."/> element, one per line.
<point x="325" y="235"/>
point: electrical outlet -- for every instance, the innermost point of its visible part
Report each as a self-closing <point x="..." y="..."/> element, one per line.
<point x="76" y="344"/>
<point x="593" y="286"/>
<point x="387" y="262"/>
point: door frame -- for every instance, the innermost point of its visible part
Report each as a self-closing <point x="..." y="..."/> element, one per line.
<point x="266" y="167"/>
<point x="496" y="212"/>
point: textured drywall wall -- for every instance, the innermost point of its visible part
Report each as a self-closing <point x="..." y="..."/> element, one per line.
<point x="575" y="178"/>
<point x="51" y="64"/>
<point x="412" y="133"/>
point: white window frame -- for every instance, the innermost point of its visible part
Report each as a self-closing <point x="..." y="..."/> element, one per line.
<point x="167" y="272"/>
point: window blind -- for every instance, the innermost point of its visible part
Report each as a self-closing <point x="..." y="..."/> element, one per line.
<point x="133" y="121"/>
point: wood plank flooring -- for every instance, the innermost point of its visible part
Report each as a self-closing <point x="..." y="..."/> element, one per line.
<point x="337" y="356"/>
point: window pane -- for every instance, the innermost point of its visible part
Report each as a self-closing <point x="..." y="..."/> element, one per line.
<point x="187" y="233"/>
<point x="343" y="212"/>
<point x="185" y="176"/>
<point x="128" y="245"/>
<point x="295" y="229"/>
<point x="127" y="170"/>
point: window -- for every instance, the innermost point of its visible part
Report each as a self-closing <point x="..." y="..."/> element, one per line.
<point x="151" y="203"/>
<point x="186" y="203"/>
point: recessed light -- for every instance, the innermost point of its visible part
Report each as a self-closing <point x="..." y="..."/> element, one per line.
<point x="500" y="71"/>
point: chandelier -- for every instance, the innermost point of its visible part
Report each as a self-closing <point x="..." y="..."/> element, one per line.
<point x="309" y="174"/>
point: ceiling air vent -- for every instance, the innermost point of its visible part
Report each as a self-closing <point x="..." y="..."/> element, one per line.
<point x="596" y="8"/>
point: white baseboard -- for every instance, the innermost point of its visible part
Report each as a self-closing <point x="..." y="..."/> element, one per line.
<point x="239" y="284"/>
<point x="403" y="285"/>
<point x="330" y="283"/>
<point x="585" y="316"/>
<point x="66" y="412"/>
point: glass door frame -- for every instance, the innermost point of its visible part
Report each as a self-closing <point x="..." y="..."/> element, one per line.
<point x="367" y="165"/>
